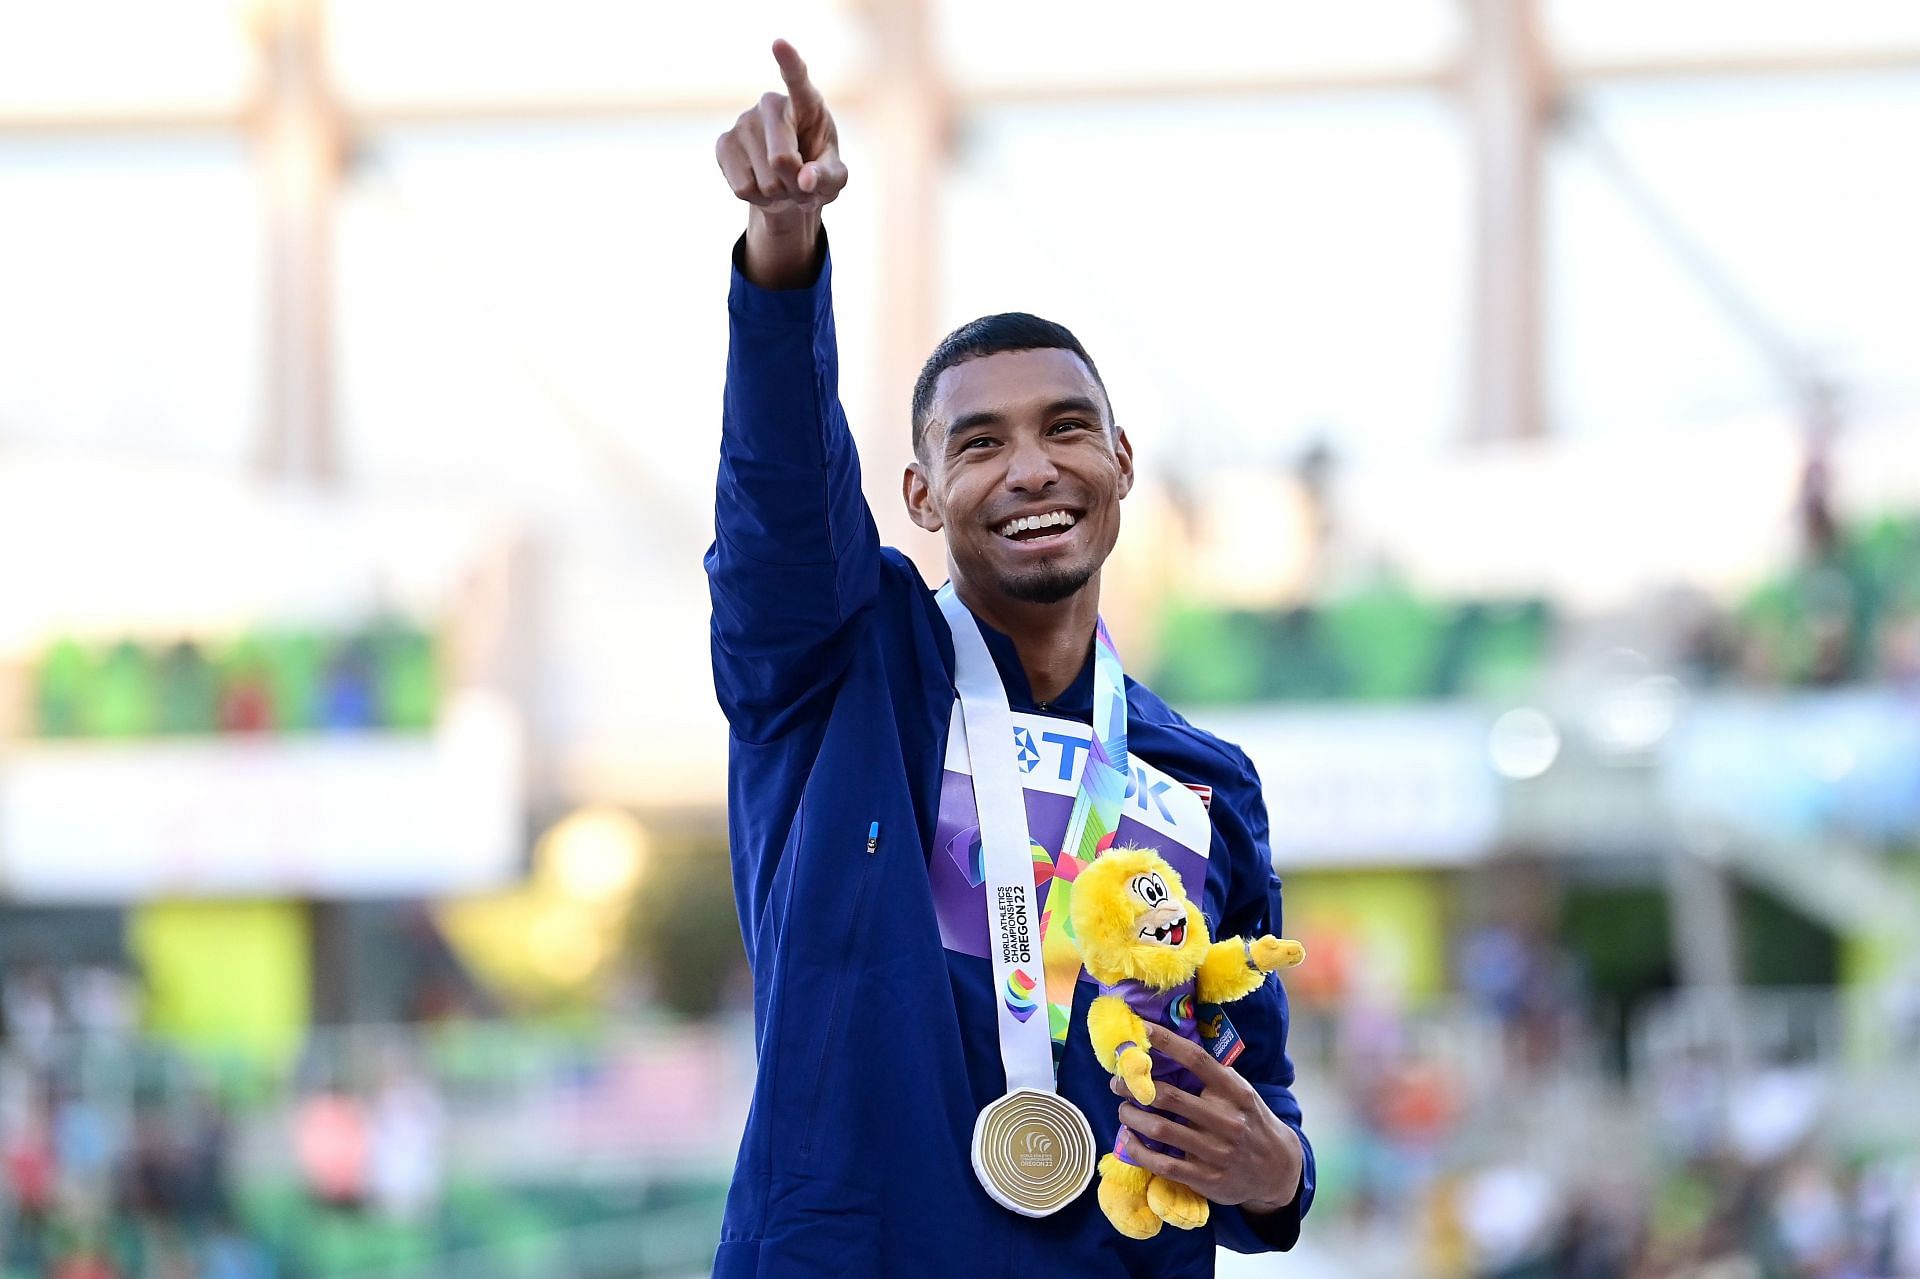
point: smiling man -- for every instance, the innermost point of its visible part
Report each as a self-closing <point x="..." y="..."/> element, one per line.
<point x="917" y="778"/>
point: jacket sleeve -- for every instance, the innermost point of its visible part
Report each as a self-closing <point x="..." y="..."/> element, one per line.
<point x="1253" y="908"/>
<point x="795" y="555"/>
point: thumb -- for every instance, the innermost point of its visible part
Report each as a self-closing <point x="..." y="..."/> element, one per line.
<point x="825" y="176"/>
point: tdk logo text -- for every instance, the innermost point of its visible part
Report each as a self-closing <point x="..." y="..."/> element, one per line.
<point x="1065" y="753"/>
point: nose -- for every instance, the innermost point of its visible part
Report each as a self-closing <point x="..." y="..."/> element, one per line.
<point x="1030" y="468"/>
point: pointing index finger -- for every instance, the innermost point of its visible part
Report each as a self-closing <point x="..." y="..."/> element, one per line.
<point x="1195" y="1058"/>
<point x="793" y="70"/>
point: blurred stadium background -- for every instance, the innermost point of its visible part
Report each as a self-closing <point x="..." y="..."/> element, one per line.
<point x="1527" y="400"/>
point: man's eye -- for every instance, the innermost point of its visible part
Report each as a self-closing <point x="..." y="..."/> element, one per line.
<point x="976" y="441"/>
<point x="1070" y="425"/>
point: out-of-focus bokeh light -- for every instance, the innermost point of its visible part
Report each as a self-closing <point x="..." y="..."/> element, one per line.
<point x="1634" y="713"/>
<point x="564" y="945"/>
<point x="596" y="855"/>
<point x="1523" y="743"/>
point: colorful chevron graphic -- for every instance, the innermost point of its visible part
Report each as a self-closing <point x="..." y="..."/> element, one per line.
<point x="1020" y="1001"/>
<point x="967" y="853"/>
<point x="1042" y="864"/>
<point x="1094" y="819"/>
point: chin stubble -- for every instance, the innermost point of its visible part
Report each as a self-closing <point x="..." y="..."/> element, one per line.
<point x="1047" y="585"/>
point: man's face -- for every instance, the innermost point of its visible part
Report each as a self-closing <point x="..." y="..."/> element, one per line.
<point x="1022" y="471"/>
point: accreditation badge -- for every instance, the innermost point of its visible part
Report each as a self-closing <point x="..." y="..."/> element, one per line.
<point x="1032" y="1151"/>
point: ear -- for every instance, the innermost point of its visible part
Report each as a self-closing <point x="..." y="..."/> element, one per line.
<point x="1123" y="451"/>
<point x="917" y="489"/>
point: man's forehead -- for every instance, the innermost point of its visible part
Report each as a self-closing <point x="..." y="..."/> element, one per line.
<point x="1012" y="382"/>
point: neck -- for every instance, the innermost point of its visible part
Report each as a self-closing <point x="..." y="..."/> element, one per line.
<point x="1051" y="639"/>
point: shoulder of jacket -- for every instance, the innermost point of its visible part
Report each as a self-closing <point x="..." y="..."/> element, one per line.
<point x="1144" y="701"/>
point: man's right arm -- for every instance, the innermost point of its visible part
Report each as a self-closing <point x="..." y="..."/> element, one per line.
<point x="795" y="554"/>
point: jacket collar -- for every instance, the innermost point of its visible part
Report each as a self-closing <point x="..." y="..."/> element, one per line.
<point x="1076" y="702"/>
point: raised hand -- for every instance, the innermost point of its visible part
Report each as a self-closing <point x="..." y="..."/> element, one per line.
<point x="782" y="156"/>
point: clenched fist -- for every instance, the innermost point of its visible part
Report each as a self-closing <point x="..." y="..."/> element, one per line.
<point x="782" y="157"/>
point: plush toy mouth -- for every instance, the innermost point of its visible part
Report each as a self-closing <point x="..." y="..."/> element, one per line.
<point x="1171" y="933"/>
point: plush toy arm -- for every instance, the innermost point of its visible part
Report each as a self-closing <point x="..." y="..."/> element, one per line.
<point x="1120" y="1043"/>
<point x="1235" y="968"/>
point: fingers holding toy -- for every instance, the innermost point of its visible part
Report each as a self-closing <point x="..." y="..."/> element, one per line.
<point x="1201" y="1141"/>
<point x="1197" y="1173"/>
<point x="1271" y="953"/>
<point x="1238" y="1151"/>
<point x="1219" y="1083"/>
<point x="1200" y="1111"/>
<point x="1262" y="1175"/>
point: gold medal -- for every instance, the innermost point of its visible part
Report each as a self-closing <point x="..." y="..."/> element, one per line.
<point x="1033" y="1151"/>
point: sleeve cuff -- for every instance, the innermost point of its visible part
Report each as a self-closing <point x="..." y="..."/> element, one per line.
<point x="1273" y="1231"/>
<point x="810" y="305"/>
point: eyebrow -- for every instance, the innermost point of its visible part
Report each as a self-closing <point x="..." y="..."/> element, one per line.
<point x="989" y="417"/>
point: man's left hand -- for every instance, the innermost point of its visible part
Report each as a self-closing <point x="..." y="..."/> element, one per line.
<point x="1238" y="1151"/>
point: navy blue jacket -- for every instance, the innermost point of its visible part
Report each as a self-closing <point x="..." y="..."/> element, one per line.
<point x="876" y="1044"/>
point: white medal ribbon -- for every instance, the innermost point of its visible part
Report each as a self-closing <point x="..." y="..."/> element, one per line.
<point x="1013" y="918"/>
<point x="1045" y="1121"/>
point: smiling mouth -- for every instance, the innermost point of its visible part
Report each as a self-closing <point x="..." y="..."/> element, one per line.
<point x="1045" y="526"/>
<point x="1172" y="933"/>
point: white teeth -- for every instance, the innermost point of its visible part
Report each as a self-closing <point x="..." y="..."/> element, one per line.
<point x="1164" y="932"/>
<point x="1027" y="522"/>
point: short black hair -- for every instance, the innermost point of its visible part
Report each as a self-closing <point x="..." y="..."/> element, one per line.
<point x="992" y="335"/>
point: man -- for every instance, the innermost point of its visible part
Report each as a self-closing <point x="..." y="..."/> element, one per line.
<point x="857" y="834"/>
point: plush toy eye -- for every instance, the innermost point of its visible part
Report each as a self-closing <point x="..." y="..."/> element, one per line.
<point x="1150" y="888"/>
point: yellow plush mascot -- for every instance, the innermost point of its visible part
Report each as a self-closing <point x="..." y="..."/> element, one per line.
<point x="1147" y="946"/>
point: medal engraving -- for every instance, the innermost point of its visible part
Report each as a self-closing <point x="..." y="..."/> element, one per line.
<point x="1033" y="1152"/>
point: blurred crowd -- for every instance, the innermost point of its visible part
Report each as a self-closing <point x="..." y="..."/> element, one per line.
<point x="1484" y="1136"/>
<point x="465" y="1146"/>
<point x="1811" y="1216"/>
<point x="1848" y="612"/>
<point x="118" y="1157"/>
<point x="1499" y="1137"/>
<point x="95" y="1189"/>
<point x="382" y="676"/>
